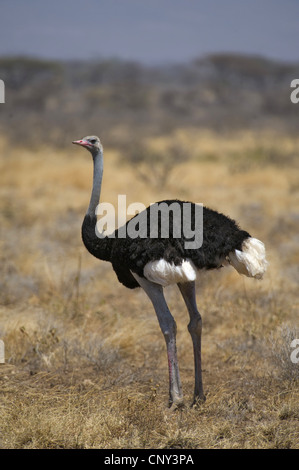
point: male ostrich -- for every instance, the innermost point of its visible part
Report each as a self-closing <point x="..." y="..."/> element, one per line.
<point x="152" y="263"/>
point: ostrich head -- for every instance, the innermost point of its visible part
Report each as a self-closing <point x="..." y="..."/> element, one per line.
<point x="91" y="143"/>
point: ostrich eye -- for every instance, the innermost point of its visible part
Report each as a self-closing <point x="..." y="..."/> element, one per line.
<point x="92" y="141"/>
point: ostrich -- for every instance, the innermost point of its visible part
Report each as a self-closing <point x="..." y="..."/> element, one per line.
<point x="153" y="263"/>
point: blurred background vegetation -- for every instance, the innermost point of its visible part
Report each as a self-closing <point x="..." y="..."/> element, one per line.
<point x="51" y="102"/>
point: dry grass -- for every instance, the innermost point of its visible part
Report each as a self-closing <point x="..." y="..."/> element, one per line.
<point x="85" y="360"/>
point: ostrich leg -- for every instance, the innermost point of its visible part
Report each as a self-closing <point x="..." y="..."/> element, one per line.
<point x="194" y="327"/>
<point x="168" y="327"/>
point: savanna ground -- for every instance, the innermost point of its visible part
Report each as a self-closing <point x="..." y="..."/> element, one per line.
<point x="86" y="364"/>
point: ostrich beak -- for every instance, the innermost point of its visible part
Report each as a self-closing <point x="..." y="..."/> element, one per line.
<point x="81" y="142"/>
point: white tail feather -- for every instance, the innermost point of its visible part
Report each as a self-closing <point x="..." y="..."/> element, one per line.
<point x="164" y="273"/>
<point x="251" y="261"/>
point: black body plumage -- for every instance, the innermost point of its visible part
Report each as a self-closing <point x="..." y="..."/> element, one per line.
<point x="221" y="235"/>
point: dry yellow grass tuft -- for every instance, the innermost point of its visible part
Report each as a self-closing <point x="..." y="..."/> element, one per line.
<point x="85" y="360"/>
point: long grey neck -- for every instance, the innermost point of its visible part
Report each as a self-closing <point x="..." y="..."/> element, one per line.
<point x="98" y="246"/>
<point x="98" y="165"/>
